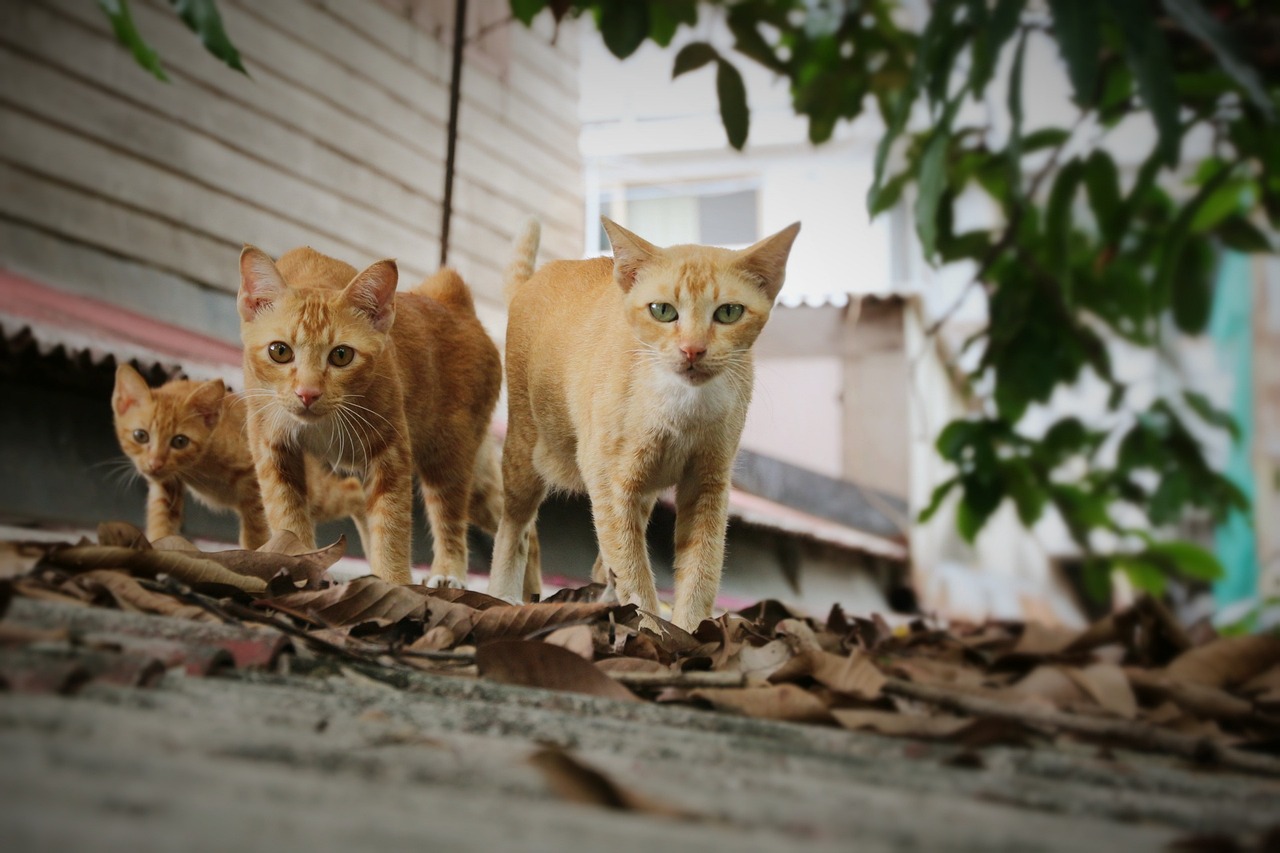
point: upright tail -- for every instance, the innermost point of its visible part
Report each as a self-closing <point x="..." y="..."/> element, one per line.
<point x="524" y="257"/>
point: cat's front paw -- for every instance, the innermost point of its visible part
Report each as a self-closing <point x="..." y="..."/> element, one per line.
<point x="444" y="582"/>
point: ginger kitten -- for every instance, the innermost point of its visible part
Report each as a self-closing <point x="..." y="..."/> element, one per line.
<point x="192" y="434"/>
<point x="374" y="382"/>
<point x="626" y="376"/>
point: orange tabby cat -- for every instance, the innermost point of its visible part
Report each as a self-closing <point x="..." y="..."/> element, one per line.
<point x="192" y="434"/>
<point x="379" y="383"/>
<point x="626" y="376"/>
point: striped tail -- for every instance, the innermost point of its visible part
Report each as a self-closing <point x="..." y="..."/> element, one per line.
<point x="524" y="257"/>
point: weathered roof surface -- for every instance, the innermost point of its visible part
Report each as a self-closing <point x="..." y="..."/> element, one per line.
<point x="223" y="726"/>
<point x="84" y="330"/>
<point x="320" y="757"/>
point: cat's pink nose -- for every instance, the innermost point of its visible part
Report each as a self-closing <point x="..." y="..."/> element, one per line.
<point x="693" y="352"/>
<point x="307" y="395"/>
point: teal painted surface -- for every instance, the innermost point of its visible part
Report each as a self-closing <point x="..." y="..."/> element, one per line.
<point x="1231" y="329"/>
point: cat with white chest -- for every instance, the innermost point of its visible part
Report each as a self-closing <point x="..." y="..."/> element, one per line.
<point x="627" y="376"/>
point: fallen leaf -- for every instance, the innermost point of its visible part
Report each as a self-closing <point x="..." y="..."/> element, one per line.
<point x="901" y="725"/>
<point x="1226" y="661"/>
<point x="531" y="663"/>
<point x="631" y="665"/>
<point x="1107" y="684"/>
<point x="576" y="782"/>
<point x="1201" y="700"/>
<point x="768" y="613"/>
<point x="578" y="639"/>
<point x="470" y="597"/>
<point x="1044" y="640"/>
<point x="365" y="599"/>
<point x="128" y="594"/>
<point x="122" y="534"/>
<point x="19" y="558"/>
<point x="191" y="569"/>
<point x="433" y="640"/>
<point x="590" y="593"/>
<point x="760" y="662"/>
<point x="1047" y="685"/>
<point x="523" y="620"/>
<point x="853" y="675"/>
<point x="775" y="702"/>
<point x="174" y="542"/>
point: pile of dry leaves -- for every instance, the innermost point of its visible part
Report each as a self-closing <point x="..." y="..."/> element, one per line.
<point x="1135" y="679"/>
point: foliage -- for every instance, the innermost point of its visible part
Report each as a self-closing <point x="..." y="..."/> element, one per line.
<point x="200" y="16"/>
<point x="1084" y="253"/>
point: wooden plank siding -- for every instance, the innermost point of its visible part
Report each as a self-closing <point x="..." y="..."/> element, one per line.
<point x="117" y="185"/>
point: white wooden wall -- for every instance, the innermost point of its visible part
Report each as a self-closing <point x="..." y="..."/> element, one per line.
<point x="116" y="185"/>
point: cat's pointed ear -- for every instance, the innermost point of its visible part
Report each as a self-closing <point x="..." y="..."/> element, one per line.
<point x="766" y="261"/>
<point x="260" y="283"/>
<point x="373" y="293"/>
<point x="206" y="401"/>
<point x="131" y="389"/>
<point x="630" y="252"/>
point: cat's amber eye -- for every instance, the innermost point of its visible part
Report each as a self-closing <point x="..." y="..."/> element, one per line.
<point x="341" y="356"/>
<point x="663" y="312"/>
<point x="140" y="436"/>
<point x="280" y="352"/>
<point x="730" y="313"/>
<point x="179" y="441"/>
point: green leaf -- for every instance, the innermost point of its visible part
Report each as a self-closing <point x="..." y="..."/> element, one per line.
<point x="1045" y="137"/>
<point x="1188" y="559"/>
<point x="624" y="24"/>
<point x="955" y="437"/>
<point x="1142" y="574"/>
<point x="1025" y="489"/>
<point x="1193" y="286"/>
<point x="666" y="16"/>
<point x="1175" y="236"/>
<point x="526" y="10"/>
<point x="933" y="179"/>
<point x="935" y="500"/>
<point x="1149" y="58"/>
<point x="1240" y="234"/>
<point x="733" y="103"/>
<point x="1057" y="220"/>
<point x="1194" y="18"/>
<point x="202" y="17"/>
<point x="692" y="56"/>
<point x="1095" y="577"/>
<point x="127" y="34"/>
<point x="1077" y="26"/>
<point x="748" y="41"/>
<point x="1211" y="414"/>
<point x="989" y="38"/>
<point x="887" y="196"/>
<point x="1102" y="184"/>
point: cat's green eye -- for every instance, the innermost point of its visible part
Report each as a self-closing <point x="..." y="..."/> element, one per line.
<point x="341" y="356"/>
<point x="730" y="313"/>
<point x="280" y="352"/>
<point x="179" y="441"/>
<point x="663" y="312"/>
<point x="140" y="436"/>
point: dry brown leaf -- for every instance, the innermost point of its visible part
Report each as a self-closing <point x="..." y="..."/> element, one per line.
<point x="574" y="781"/>
<point x="938" y="673"/>
<point x="433" y="640"/>
<point x="670" y="638"/>
<point x="523" y="620"/>
<point x="174" y="542"/>
<point x="589" y="593"/>
<point x="191" y="569"/>
<point x="122" y="534"/>
<point x="1048" y="685"/>
<point x="129" y="595"/>
<point x="631" y="665"/>
<point x="775" y="702"/>
<point x="284" y="542"/>
<point x="799" y="634"/>
<point x="901" y="725"/>
<point x="442" y="613"/>
<point x="18" y="558"/>
<point x="1201" y="700"/>
<point x="532" y="663"/>
<point x="366" y="599"/>
<point x="1226" y="661"/>
<point x="1263" y="681"/>
<point x="308" y="568"/>
<point x="760" y="662"/>
<point x="1107" y="684"/>
<point x="1044" y="640"/>
<point x="579" y="639"/>
<point x="853" y="675"/>
<point x="469" y="597"/>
